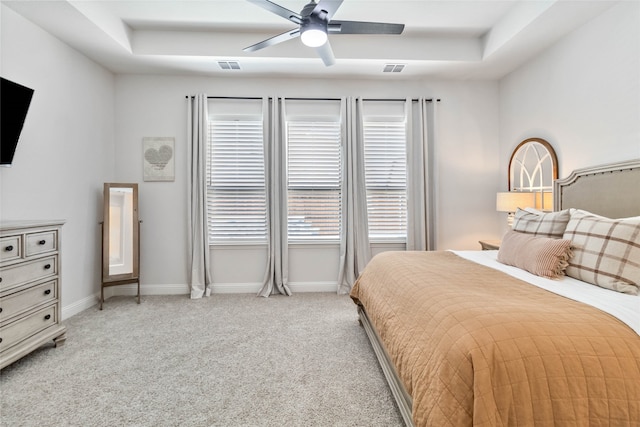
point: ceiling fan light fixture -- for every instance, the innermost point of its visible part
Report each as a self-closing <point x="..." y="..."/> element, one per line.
<point x="314" y="38"/>
<point x="313" y="34"/>
<point x="314" y="22"/>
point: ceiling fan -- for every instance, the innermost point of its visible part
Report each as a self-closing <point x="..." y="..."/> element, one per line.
<point x="314" y="23"/>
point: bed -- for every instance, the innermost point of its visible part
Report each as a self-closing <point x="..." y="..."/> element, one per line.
<point x="464" y="339"/>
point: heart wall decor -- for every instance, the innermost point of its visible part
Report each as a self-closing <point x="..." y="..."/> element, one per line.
<point x="158" y="158"/>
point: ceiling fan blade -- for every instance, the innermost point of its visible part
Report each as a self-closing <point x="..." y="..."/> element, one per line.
<point x="278" y="10"/>
<point x="291" y="34"/>
<point x="329" y="6"/>
<point x="326" y="54"/>
<point x="357" y="27"/>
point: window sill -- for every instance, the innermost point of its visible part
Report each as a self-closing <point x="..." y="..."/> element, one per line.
<point x="238" y="245"/>
<point x="303" y="244"/>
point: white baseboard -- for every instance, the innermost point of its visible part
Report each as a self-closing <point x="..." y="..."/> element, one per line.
<point x="183" y="289"/>
<point x="123" y="290"/>
<point x="79" y="306"/>
<point x="254" y="288"/>
<point x="218" y="288"/>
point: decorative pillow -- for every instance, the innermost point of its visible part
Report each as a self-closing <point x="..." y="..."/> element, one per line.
<point x="606" y="251"/>
<point x="541" y="256"/>
<point x="538" y="223"/>
<point x="581" y="211"/>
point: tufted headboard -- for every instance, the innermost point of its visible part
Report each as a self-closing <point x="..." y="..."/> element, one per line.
<point x="611" y="190"/>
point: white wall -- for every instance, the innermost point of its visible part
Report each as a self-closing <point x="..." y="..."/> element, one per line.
<point x="65" y="150"/>
<point x="86" y="127"/>
<point x="582" y="94"/>
<point x="466" y="157"/>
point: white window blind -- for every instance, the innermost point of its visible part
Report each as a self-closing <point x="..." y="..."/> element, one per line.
<point x="314" y="180"/>
<point x="386" y="179"/>
<point x="235" y="182"/>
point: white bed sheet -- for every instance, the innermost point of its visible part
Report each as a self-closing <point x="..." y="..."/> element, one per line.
<point x="622" y="306"/>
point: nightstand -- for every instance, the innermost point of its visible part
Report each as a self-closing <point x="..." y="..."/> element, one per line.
<point x="490" y="245"/>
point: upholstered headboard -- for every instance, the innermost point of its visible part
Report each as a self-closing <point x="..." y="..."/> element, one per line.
<point x="611" y="190"/>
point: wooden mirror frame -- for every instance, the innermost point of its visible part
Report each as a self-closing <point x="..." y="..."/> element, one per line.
<point x="544" y="161"/>
<point x="132" y="275"/>
<point x="525" y="147"/>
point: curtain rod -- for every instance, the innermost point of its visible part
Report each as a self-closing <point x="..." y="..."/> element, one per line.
<point x="310" y="99"/>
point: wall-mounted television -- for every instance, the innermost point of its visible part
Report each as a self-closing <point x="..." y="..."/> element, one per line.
<point x="15" y="100"/>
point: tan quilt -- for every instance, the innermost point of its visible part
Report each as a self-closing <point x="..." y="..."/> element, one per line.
<point x="474" y="346"/>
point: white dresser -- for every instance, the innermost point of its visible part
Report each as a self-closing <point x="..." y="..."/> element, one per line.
<point x="29" y="287"/>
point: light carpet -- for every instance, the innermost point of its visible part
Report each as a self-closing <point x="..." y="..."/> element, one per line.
<point x="226" y="360"/>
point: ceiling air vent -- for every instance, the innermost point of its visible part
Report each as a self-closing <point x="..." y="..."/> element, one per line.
<point x="393" y="68"/>
<point x="229" y="65"/>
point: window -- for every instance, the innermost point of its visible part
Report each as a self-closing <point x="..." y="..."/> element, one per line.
<point x="235" y="182"/>
<point x="236" y="173"/>
<point x="314" y="180"/>
<point x="386" y="179"/>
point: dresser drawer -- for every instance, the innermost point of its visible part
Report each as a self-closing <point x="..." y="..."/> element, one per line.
<point x="10" y="248"/>
<point x="38" y="243"/>
<point x="17" y="274"/>
<point x="22" y="301"/>
<point x="14" y="332"/>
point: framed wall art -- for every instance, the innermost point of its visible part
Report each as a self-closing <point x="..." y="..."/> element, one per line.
<point x="158" y="158"/>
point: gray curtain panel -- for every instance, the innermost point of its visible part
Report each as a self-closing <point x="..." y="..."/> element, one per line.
<point x="198" y="236"/>
<point x="355" y="250"/>
<point x="276" y="276"/>
<point x="420" y="170"/>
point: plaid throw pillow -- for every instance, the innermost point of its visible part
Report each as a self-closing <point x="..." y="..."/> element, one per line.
<point x="606" y="251"/>
<point x="545" y="224"/>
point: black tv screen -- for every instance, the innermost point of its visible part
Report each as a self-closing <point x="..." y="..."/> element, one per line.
<point x="15" y="101"/>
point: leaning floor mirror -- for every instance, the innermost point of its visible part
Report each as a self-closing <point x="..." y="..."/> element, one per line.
<point x="120" y="237"/>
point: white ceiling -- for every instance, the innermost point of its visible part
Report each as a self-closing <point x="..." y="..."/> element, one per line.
<point x="475" y="39"/>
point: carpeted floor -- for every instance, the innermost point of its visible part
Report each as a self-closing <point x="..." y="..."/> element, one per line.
<point x="226" y="360"/>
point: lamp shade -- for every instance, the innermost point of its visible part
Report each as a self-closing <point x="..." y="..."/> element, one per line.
<point x="510" y="201"/>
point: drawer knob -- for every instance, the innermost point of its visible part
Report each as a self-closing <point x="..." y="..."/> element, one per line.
<point x="47" y="266"/>
<point x="42" y="242"/>
<point x="47" y="317"/>
<point x="9" y="248"/>
<point x="0" y="339"/>
<point x="0" y="309"/>
<point x="47" y="292"/>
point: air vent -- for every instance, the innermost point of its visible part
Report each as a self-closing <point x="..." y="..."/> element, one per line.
<point x="229" y="65"/>
<point x="393" y="68"/>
